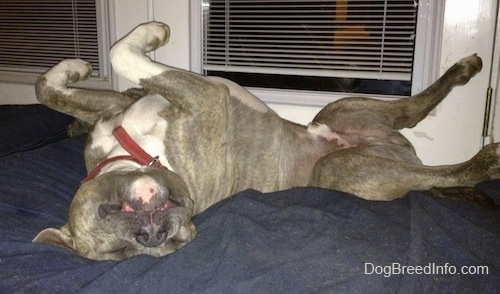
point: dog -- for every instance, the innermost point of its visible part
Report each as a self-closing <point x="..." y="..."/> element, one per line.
<point x="191" y="141"/>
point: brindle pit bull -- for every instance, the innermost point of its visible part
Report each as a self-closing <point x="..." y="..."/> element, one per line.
<point x="191" y="141"/>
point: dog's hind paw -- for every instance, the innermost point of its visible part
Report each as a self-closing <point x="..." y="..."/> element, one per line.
<point x="487" y="162"/>
<point x="463" y="193"/>
<point x="467" y="67"/>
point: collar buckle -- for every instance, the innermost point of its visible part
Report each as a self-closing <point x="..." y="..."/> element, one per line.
<point x="154" y="162"/>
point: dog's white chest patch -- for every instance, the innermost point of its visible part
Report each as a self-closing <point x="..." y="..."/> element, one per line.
<point x="142" y="122"/>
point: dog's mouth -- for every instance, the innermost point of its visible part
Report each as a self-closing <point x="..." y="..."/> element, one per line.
<point x="151" y="227"/>
<point x="106" y="209"/>
<point x="127" y="207"/>
<point x="149" y="207"/>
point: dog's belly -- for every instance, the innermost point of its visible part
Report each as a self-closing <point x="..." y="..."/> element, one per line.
<point x="268" y="153"/>
<point x="217" y="152"/>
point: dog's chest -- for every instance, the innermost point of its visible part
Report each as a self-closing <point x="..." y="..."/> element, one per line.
<point x="142" y="122"/>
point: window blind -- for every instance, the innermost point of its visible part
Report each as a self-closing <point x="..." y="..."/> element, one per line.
<point x="35" y="35"/>
<point x="343" y="38"/>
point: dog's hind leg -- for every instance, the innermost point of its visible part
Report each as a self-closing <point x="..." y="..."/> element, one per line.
<point x="360" y="172"/>
<point x="403" y="113"/>
<point x="411" y="111"/>
<point x="87" y="105"/>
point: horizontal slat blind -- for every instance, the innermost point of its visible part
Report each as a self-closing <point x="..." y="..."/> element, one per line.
<point x="35" y="35"/>
<point x="344" y="38"/>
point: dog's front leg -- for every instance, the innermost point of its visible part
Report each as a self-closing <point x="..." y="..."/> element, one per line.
<point x="182" y="88"/>
<point x="128" y="55"/>
<point x="129" y="60"/>
<point x="87" y="105"/>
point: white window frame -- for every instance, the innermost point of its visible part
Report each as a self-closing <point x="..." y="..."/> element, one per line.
<point x="425" y="68"/>
<point x="104" y="29"/>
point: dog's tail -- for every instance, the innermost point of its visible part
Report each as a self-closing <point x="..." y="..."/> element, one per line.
<point x="464" y="193"/>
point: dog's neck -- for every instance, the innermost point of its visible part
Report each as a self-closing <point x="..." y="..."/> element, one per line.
<point x="137" y="154"/>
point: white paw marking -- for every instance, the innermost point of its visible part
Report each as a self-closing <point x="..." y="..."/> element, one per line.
<point x="66" y="72"/>
<point x="128" y="54"/>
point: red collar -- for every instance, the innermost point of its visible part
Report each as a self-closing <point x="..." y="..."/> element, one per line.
<point x="137" y="154"/>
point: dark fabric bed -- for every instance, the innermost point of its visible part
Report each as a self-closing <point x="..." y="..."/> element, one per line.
<point x="303" y="240"/>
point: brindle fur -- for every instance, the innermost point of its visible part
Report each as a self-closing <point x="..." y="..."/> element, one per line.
<point x="219" y="142"/>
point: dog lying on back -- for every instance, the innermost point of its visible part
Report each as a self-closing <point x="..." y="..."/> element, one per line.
<point x="191" y="141"/>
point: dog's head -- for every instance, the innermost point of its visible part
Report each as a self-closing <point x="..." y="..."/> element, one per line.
<point x="121" y="214"/>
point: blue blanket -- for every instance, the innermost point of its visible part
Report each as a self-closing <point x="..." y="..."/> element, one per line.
<point x="301" y="240"/>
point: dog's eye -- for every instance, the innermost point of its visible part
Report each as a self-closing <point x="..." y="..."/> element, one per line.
<point x="108" y="208"/>
<point x="175" y="202"/>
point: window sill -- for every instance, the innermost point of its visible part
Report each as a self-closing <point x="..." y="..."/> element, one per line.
<point x="30" y="79"/>
<point x="308" y="98"/>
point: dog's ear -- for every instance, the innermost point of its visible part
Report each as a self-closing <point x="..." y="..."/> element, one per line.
<point x="58" y="237"/>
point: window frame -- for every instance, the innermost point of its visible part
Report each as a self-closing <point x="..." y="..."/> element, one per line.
<point x="105" y="19"/>
<point x="425" y="67"/>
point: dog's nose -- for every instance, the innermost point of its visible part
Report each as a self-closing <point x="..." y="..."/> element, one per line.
<point x="151" y="236"/>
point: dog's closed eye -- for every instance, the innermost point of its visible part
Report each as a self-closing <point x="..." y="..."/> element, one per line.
<point x="107" y="208"/>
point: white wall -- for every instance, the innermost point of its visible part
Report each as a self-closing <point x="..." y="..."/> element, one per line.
<point x="452" y="135"/>
<point x="17" y="93"/>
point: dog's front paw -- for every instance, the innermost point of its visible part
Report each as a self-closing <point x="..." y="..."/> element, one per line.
<point x="153" y="35"/>
<point x="68" y="71"/>
<point x="128" y="54"/>
<point x="145" y="37"/>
